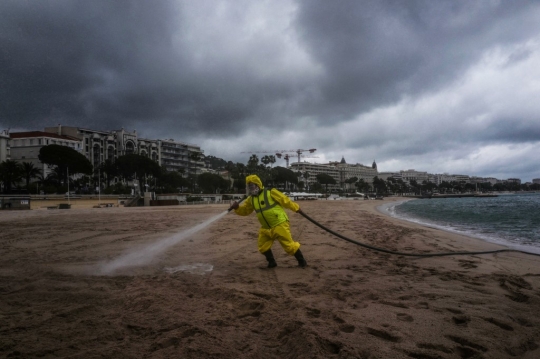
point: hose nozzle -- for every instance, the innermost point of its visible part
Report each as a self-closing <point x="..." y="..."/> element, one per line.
<point x="231" y="207"/>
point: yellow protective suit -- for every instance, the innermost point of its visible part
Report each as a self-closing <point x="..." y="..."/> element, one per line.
<point x="269" y="206"/>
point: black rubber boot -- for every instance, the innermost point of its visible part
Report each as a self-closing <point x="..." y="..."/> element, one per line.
<point x="300" y="258"/>
<point x="270" y="258"/>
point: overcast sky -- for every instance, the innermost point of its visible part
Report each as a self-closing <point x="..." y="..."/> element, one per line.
<point x="438" y="86"/>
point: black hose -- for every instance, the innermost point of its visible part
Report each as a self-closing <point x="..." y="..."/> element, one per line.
<point x="407" y="254"/>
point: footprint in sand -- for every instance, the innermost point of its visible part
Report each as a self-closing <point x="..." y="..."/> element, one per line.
<point x="404" y="317"/>
<point x="384" y="335"/>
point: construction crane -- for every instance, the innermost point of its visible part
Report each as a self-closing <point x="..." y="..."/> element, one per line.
<point x="285" y="155"/>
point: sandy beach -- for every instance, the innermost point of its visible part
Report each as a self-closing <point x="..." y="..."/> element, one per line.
<point x="126" y="283"/>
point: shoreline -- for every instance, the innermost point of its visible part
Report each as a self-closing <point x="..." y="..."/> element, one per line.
<point x="419" y="221"/>
<point x="211" y="295"/>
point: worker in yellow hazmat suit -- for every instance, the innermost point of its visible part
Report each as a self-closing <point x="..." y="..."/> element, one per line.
<point x="269" y="206"/>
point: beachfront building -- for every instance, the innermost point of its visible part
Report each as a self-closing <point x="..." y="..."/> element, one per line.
<point x="180" y="156"/>
<point x="99" y="146"/>
<point x="348" y="171"/>
<point x="386" y="175"/>
<point x="310" y="171"/>
<point x="25" y="146"/>
<point x="4" y="145"/>
<point x="514" y="180"/>
<point x="536" y="180"/>
<point x="413" y="175"/>
<point x="341" y="171"/>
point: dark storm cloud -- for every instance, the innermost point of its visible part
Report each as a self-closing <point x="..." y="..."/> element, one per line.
<point x="375" y="52"/>
<point x="381" y="79"/>
<point x="110" y="64"/>
<point x="75" y="60"/>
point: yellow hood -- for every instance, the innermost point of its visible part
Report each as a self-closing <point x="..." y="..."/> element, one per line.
<point x="254" y="179"/>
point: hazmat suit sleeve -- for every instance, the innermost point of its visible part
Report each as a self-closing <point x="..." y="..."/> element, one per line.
<point x="283" y="200"/>
<point x="245" y="208"/>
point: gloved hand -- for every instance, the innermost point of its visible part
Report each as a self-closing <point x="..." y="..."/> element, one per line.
<point x="299" y="211"/>
<point x="235" y="205"/>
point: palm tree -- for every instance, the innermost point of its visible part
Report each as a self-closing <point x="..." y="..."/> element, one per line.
<point x="30" y="171"/>
<point x="10" y="174"/>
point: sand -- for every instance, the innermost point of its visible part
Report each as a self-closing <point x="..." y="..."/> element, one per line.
<point x="209" y="295"/>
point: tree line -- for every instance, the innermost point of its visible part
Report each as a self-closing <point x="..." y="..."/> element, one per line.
<point x="70" y="169"/>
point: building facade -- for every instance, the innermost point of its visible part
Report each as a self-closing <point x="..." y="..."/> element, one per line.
<point x="25" y="146"/>
<point x="4" y="146"/>
<point x="310" y="171"/>
<point x="341" y="171"/>
<point x="99" y="146"/>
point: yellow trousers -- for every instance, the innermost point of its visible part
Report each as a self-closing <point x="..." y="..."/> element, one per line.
<point x="282" y="233"/>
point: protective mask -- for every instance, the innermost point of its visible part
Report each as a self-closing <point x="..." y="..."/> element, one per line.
<point x="253" y="189"/>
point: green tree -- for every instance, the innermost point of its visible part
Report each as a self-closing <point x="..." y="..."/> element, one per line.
<point x="10" y="174"/>
<point x="239" y="176"/>
<point x="110" y="169"/>
<point x="284" y="175"/>
<point x="362" y="185"/>
<point x="325" y="179"/>
<point x="65" y="159"/>
<point x="172" y="181"/>
<point x="136" y="166"/>
<point x="253" y="164"/>
<point x="351" y="181"/>
<point x="29" y="172"/>
<point x="211" y="182"/>
<point x="379" y="185"/>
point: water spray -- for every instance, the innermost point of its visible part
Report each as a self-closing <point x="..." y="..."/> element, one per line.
<point x="145" y="255"/>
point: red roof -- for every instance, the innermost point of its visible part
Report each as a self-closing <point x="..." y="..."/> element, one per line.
<point x="32" y="134"/>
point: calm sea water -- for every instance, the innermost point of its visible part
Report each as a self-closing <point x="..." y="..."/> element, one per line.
<point x="512" y="220"/>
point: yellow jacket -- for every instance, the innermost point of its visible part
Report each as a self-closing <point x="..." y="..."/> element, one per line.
<point x="269" y="205"/>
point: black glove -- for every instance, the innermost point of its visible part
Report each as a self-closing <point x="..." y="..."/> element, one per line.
<point x="235" y="205"/>
<point x="299" y="211"/>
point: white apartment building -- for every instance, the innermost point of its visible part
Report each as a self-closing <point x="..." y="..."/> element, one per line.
<point x="313" y="169"/>
<point x="25" y="146"/>
<point x="413" y="175"/>
<point x="102" y="145"/>
<point x="4" y="146"/>
<point x="340" y="171"/>
<point x="347" y="171"/>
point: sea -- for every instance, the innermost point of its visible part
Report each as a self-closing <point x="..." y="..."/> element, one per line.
<point x="512" y="220"/>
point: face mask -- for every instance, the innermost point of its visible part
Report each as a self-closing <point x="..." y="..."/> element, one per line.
<point x="253" y="189"/>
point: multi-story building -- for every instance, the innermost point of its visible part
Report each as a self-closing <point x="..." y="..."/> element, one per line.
<point x="341" y="171"/>
<point x="313" y="169"/>
<point x="514" y="180"/>
<point x="180" y="156"/>
<point x="462" y="178"/>
<point x="413" y="175"/>
<point x="25" y="146"/>
<point x="348" y="171"/>
<point x="536" y="180"/>
<point x="4" y="145"/>
<point x="99" y="146"/>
